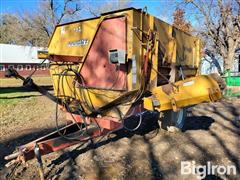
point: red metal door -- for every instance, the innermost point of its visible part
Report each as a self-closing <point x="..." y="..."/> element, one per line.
<point x="96" y="70"/>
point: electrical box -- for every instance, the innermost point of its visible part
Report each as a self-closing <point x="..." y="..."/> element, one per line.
<point x="117" y="56"/>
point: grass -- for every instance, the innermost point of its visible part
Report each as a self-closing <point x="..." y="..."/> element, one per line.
<point x="13" y="98"/>
<point x="22" y="107"/>
<point x="12" y="82"/>
<point x="12" y="91"/>
<point x="4" y="102"/>
<point x="16" y="109"/>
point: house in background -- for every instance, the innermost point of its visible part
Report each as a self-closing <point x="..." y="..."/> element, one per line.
<point x="23" y="59"/>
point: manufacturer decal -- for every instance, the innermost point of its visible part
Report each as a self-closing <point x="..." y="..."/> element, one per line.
<point x="189" y="83"/>
<point x="77" y="29"/>
<point x="81" y="42"/>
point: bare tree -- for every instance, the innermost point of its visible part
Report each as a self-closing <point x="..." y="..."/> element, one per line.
<point x="35" y="27"/>
<point x="9" y="24"/>
<point x="221" y="26"/>
<point x="108" y="6"/>
<point x="55" y="14"/>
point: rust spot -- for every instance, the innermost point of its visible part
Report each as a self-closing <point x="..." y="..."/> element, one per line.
<point x="168" y="88"/>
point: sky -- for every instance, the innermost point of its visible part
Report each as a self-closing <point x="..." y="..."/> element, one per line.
<point x="159" y="8"/>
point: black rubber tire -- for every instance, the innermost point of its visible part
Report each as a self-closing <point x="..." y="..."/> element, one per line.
<point x="173" y="121"/>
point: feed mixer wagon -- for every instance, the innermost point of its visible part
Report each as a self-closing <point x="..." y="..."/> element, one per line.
<point x="113" y="67"/>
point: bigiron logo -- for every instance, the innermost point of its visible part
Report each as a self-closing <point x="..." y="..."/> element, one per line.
<point x="190" y="167"/>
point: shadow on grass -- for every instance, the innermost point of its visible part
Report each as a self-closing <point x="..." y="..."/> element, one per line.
<point x="19" y="97"/>
<point x="7" y="90"/>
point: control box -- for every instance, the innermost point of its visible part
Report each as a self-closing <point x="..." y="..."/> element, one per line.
<point x="117" y="56"/>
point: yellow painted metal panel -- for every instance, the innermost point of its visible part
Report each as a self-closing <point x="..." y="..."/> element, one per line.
<point x="42" y="54"/>
<point x="191" y="91"/>
<point x="167" y="44"/>
<point x="187" y="49"/>
<point x="64" y="87"/>
<point x="73" y="39"/>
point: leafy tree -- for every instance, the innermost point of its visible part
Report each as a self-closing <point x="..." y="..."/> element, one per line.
<point x="180" y="22"/>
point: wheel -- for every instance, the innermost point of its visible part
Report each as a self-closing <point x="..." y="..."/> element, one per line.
<point x="173" y="121"/>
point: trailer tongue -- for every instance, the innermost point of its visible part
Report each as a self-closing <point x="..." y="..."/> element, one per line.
<point x="108" y="69"/>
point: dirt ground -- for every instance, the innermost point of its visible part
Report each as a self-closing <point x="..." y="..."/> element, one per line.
<point x="211" y="133"/>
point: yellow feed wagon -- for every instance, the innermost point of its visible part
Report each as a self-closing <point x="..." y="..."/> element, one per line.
<point x="119" y="65"/>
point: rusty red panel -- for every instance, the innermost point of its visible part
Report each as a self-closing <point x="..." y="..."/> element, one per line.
<point x="96" y="70"/>
<point x="105" y="122"/>
<point x="54" y="142"/>
<point x="65" y="58"/>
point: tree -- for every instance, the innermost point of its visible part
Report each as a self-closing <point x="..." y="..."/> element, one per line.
<point x="35" y="27"/>
<point x="221" y="22"/>
<point x="213" y="61"/>
<point x="9" y="25"/>
<point x="180" y="22"/>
